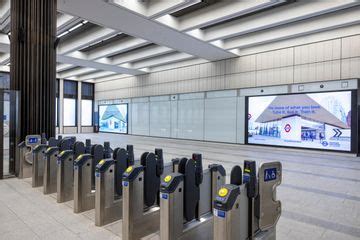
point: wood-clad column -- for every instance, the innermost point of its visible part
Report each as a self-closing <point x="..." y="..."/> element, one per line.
<point x="33" y="63"/>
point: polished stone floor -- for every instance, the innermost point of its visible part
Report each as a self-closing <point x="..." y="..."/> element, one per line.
<point x="320" y="193"/>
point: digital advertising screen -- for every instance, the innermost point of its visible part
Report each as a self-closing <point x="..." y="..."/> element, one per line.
<point x="113" y="118"/>
<point x="314" y="120"/>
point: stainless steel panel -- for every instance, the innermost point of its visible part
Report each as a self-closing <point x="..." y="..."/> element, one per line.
<point x="171" y="214"/>
<point x="270" y="207"/>
<point x="65" y="179"/>
<point x="38" y="168"/>
<point x="107" y="209"/>
<point x="50" y="173"/>
<point x="84" y="197"/>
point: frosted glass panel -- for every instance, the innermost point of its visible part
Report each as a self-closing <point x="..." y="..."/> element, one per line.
<point x="174" y="120"/>
<point x="241" y="120"/>
<point x="86" y="112"/>
<point x="220" y="119"/>
<point x="160" y="119"/>
<point x="69" y="112"/>
<point x="140" y="118"/>
<point x="56" y="112"/>
<point x="191" y="119"/>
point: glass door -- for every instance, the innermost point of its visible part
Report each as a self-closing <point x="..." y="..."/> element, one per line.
<point x="8" y="131"/>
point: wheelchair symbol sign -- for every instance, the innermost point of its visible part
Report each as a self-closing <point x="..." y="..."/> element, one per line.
<point x="270" y="174"/>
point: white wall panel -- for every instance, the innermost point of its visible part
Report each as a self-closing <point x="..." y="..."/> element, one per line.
<point x="275" y="59"/>
<point x="160" y="114"/>
<point x="220" y="119"/>
<point x="191" y="119"/>
<point x="318" y="52"/>
<point x="221" y="94"/>
<point x="212" y="69"/>
<point x="87" y="129"/>
<point x="212" y="83"/>
<point x="240" y="80"/>
<point x="317" y="71"/>
<point x="264" y="91"/>
<point x="189" y="72"/>
<point x="324" y="86"/>
<point x="276" y="76"/>
<point x="350" y="68"/>
<point x="188" y="96"/>
<point x="70" y="130"/>
<point x="140" y="118"/>
<point x="241" y="64"/>
<point x="351" y="46"/>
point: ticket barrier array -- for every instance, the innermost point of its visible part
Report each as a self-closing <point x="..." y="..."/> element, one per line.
<point x="141" y="192"/>
<point x="84" y="176"/>
<point x="108" y="185"/>
<point x="39" y="160"/>
<point x="186" y="200"/>
<point x="25" y="151"/>
<point x="180" y="199"/>
<point x="65" y="170"/>
<point x="50" y="163"/>
<point x="247" y="207"/>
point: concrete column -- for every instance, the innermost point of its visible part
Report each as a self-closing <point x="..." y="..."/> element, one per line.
<point x="33" y="63"/>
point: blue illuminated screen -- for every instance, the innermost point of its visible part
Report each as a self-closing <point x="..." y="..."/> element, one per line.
<point x="314" y="120"/>
<point x="113" y="118"/>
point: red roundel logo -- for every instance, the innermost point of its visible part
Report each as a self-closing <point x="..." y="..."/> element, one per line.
<point x="287" y="128"/>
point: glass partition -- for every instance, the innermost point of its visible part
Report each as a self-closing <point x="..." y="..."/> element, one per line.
<point x="9" y="131"/>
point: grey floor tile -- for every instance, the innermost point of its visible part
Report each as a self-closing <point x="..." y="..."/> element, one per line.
<point x="332" y="235"/>
<point x="20" y="234"/>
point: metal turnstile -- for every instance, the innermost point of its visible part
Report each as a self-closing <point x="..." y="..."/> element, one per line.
<point x="247" y="207"/>
<point x="50" y="164"/>
<point x="39" y="161"/>
<point x="84" y="176"/>
<point x="108" y="185"/>
<point x="25" y="149"/>
<point x="186" y="201"/>
<point x="65" y="171"/>
<point x="141" y="186"/>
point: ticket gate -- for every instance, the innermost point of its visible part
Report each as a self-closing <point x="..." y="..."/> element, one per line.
<point x="39" y="162"/>
<point x="65" y="170"/>
<point x="186" y="202"/>
<point x="84" y="176"/>
<point x="108" y="185"/>
<point x="141" y="186"/>
<point x="50" y="164"/>
<point x="247" y="208"/>
<point x="25" y="149"/>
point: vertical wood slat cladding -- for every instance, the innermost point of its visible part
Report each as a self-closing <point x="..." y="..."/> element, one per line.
<point x="33" y="63"/>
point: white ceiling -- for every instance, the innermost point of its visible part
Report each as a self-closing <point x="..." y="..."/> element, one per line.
<point x="105" y="39"/>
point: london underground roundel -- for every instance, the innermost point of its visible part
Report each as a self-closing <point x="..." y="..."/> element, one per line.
<point x="287" y="128"/>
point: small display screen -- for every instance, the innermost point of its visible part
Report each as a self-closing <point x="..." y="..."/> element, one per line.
<point x="314" y="120"/>
<point x="113" y="118"/>
<point x="33" y="140"/>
